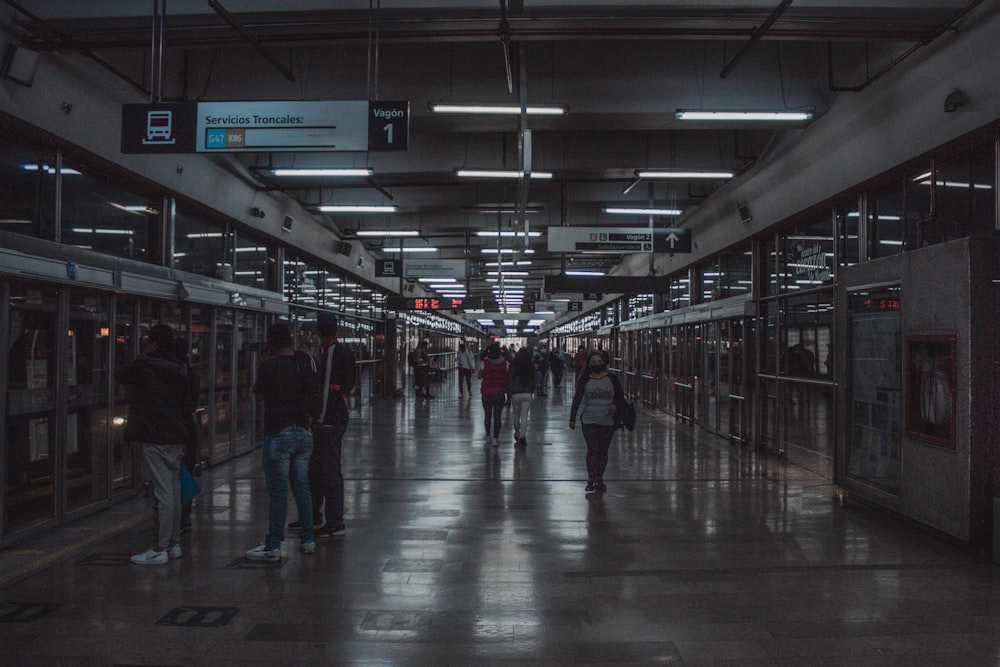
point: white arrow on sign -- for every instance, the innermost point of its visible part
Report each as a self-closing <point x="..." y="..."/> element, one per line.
<point x="673" y="239"/>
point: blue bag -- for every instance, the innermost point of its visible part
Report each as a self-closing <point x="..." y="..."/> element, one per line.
<point x="189" y="485"/>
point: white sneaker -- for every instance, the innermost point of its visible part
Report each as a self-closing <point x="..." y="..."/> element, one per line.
<point x="308" y="547"/>
<point x="174" y="552"/>
<point x="496" y="442"/>
<point x="261" y="552"/>
<point x="151" y="557"/>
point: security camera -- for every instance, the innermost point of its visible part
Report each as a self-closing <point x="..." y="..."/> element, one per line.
<point x="954" y="100"/>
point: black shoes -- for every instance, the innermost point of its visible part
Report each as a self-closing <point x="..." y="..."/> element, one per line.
<point x="325" y="531"/>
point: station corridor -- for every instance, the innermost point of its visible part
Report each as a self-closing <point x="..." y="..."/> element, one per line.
<point x="459" y="553"/>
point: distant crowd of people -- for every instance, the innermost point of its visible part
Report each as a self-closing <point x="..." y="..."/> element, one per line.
<point x="305" y="416"/>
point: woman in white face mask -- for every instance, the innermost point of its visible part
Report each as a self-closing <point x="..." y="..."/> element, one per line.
<point x="597" y="392"/>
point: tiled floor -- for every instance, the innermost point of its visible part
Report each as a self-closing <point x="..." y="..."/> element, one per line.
<point x="457" y="553"/>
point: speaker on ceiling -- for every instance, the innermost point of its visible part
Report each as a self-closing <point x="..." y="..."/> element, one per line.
<point x="287" y="224"/>
<point x="745" y="214"/>
<point x="19" y="65"/>
<point x="344" y="248"/>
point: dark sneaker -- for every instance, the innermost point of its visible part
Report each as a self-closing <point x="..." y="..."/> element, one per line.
<point x="326" y="531"/>
<point x="591" y="487"/>
<point x="601" y="486"/>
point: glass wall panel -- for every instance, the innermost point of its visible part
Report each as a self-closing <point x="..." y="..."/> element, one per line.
<point x="98" y="215"/>
<point x="126" y="347"/>
<point x="224" y="378"/>
<point x="250" y="262"/>
<point x="918" y="208"/>
<point x="201" y="367"/>
<point x="964" y="198"/>
<point x="31" y="404"/>
<point x="27" y="189"/>
<point x="679" y="294"/>
<point x="89" y="413"/>
<point x="809" y="256"/>
<point x="202" y="247"/>
<point x="247" y="332"/>
<point x="889" y="232"/>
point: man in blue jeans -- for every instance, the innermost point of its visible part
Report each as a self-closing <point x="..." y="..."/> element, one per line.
<point x="284" y="383"/>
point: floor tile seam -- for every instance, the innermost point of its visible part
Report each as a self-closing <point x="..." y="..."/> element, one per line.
<point x="791" y="569"/>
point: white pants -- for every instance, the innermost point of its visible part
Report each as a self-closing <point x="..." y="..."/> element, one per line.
<point x="520" y="408"/>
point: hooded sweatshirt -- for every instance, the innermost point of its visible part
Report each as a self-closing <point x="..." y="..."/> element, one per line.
<point x="494" y="370"/>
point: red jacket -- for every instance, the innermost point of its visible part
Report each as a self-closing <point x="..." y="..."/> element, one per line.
<point x="494" y="374"/>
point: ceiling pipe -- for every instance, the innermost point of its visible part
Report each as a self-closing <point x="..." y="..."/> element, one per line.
<point x="925" y="40"/>
<point x="757" y="35"/>
<point x="261" y="49"/>
<point x="480" y="34"/>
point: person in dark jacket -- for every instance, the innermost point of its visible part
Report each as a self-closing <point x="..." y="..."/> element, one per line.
<point x="159" y="415"/>
<point x="325" y="475"/>
<point x="598" y="393"/>
<point x="493" y="373"/>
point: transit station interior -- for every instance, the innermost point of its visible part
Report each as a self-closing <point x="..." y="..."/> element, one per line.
<point x="814" y="477"/>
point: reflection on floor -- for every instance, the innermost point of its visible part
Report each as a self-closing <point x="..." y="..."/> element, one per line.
<point x="463" y="554"/>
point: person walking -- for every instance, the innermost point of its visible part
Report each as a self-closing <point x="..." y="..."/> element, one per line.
<point x="580" y="362"/>
<point x="556" y="367"/>
<point x="597" y="394"/>
<point x="159" y="414"/>
<point x="190" y="458"/>
<point x="286" y="384"/>
<point x="339" y="375"/>
<point x="421" y="370"/>
<point x="520" y="387"/>
<point x="540" y="361"/>
<point x="466" y="364"/>
<point x="493" y="373"/>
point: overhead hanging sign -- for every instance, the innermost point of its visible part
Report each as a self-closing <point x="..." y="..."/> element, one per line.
<point x="618" y="240"/>
<point x="424" y="268"/>
<point x="235" y="127"/>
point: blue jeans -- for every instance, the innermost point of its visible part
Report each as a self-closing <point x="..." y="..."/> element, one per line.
<point x="286" y="460"/>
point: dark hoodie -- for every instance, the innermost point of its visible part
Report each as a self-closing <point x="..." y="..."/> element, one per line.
<point x="160" y="405"/>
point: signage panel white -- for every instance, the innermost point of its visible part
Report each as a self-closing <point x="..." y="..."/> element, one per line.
<point x="434" y="268"/>
<point x="319" y="125"/>
<point x="620" y="240"/>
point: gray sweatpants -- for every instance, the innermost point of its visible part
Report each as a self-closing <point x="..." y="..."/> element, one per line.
<point x="163" y="463"/>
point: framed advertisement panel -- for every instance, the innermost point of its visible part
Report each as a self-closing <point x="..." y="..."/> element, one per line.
<point x="930" y="388"/>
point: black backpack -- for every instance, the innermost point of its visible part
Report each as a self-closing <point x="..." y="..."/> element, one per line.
<point x="625" y="414"/>
<point x="310" y="382"/>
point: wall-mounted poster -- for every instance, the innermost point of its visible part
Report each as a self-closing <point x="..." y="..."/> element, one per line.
<point x="930" y="388"/>
<point x="875" y="377"/>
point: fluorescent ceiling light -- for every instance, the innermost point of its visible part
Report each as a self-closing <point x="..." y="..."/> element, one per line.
<point x="523" y="262"/>
<point x="506" y="279"/>
<point x="205" y="235"/>
<point x="486" y="322"/>
<point x="250" y="249"/>
<point x="501" y="208"/>
<point x="323" y="172"/>
<point x="99" y="230"/>
<point x="49" y="169"/>
<point x="584" y="273"/>
<point x="413" y="249"/>
<point x="503" y="251"/>
<point x="387" y="232"/>
<point x="505" y="233"/>
<point x="507" y="109"/>
<point x="671" y="173"/>
<point x="437" y="280"/>
<point x="357" y="208"/>
<point x="499" y="173"/>
<point x="794" y="116"/>
<point x="507" y="273"/>
<point x="642" y="211"/>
